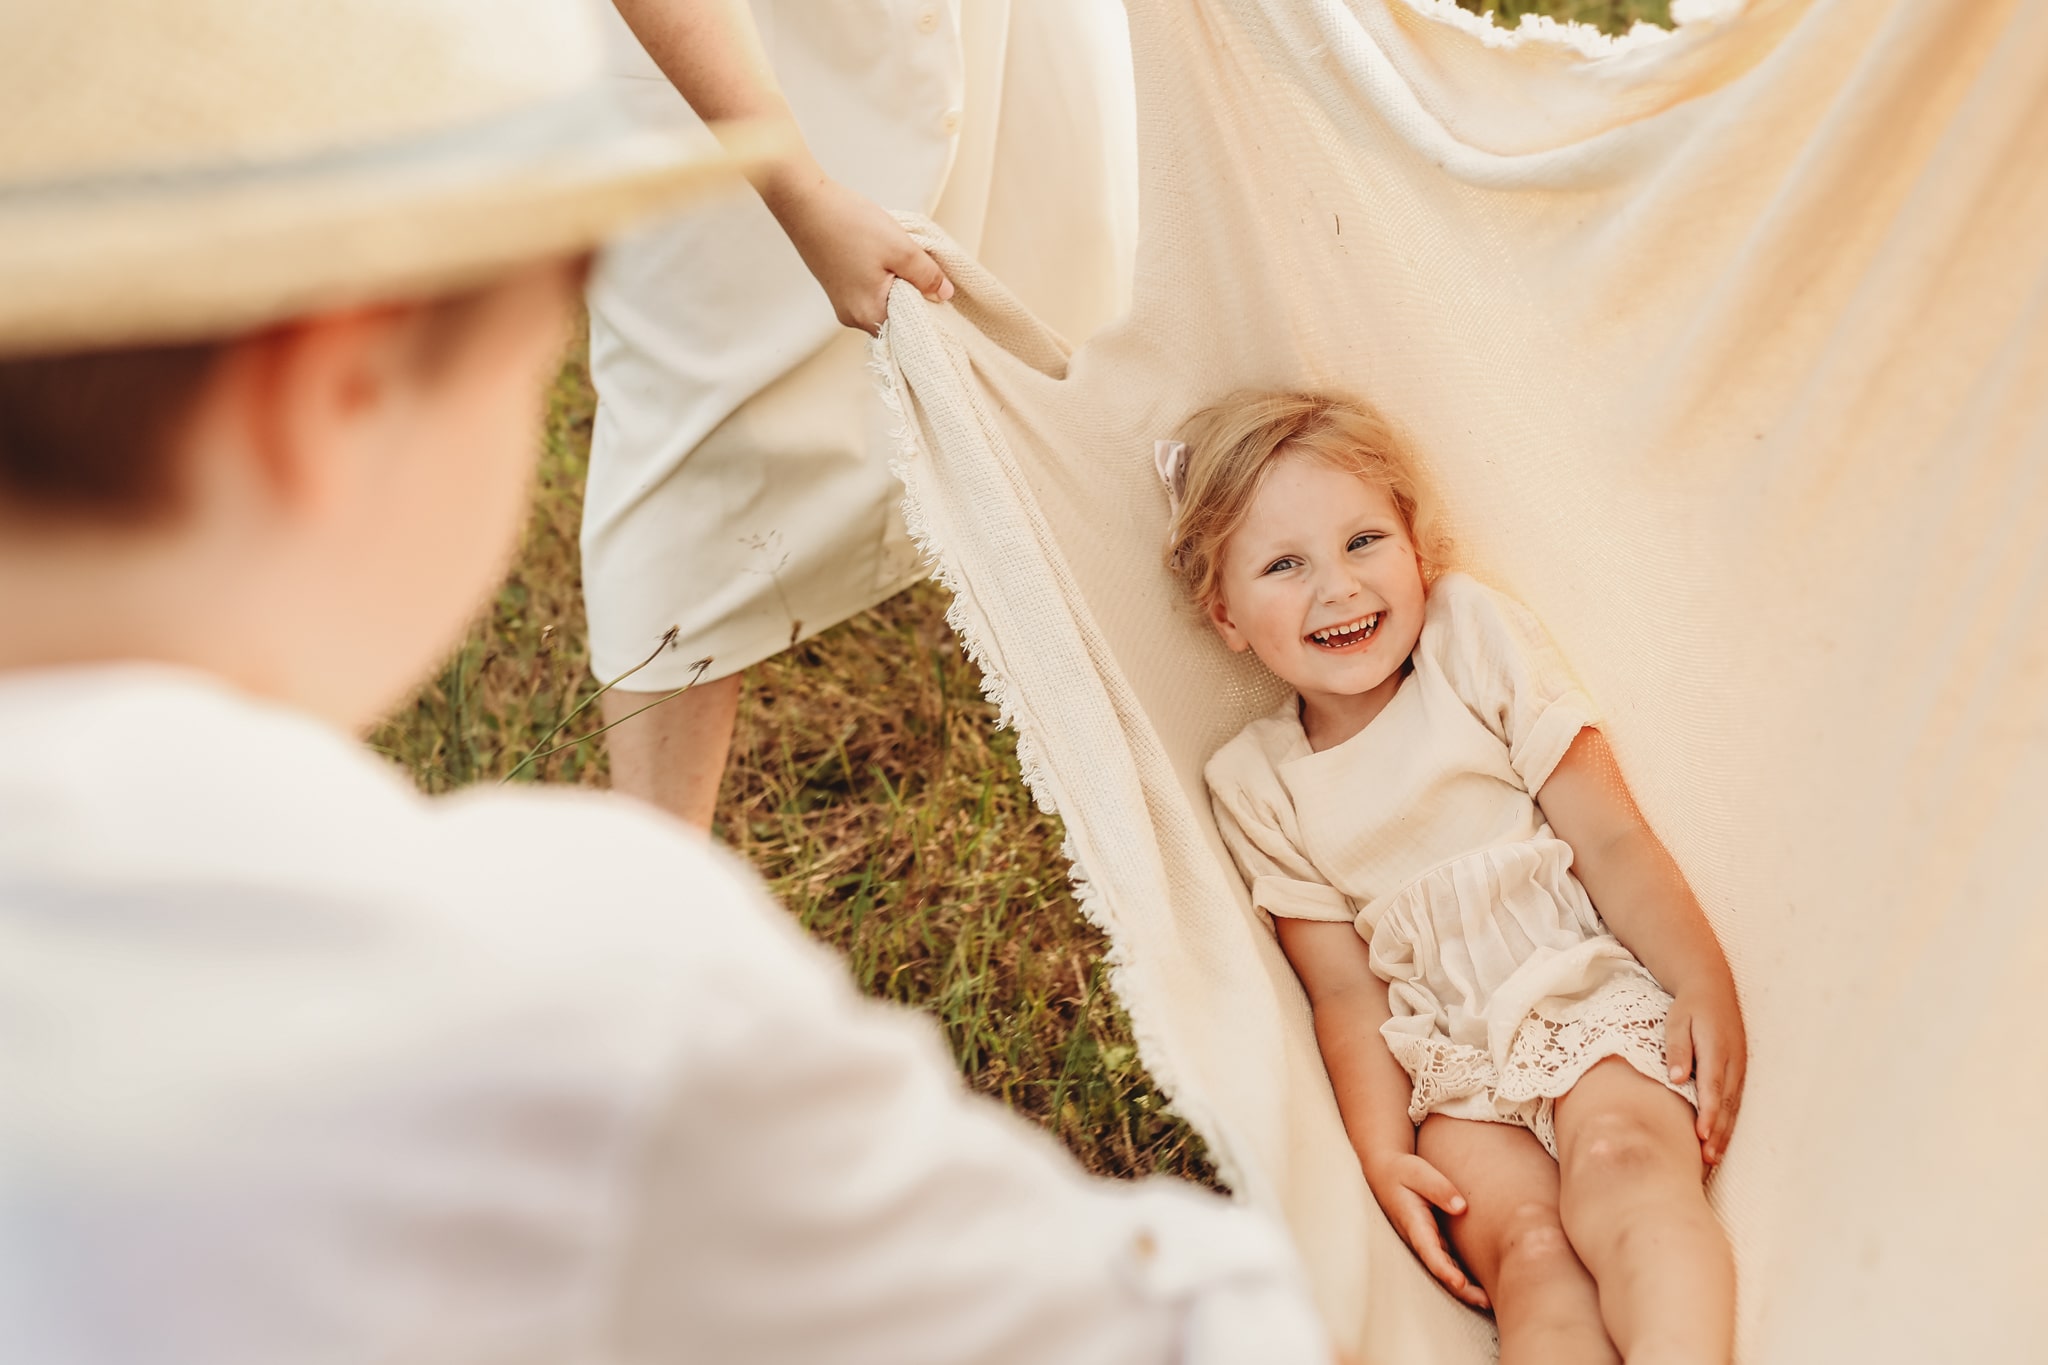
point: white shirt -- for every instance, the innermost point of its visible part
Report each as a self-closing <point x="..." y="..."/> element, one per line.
<point x="297" y="1065"/>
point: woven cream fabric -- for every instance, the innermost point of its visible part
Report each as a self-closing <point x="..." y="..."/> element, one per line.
<point x="1729" y="350"/>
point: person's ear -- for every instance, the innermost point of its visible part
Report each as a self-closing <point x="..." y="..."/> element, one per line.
<point x="309" y="398"/>
<point x="1219" y="617"/>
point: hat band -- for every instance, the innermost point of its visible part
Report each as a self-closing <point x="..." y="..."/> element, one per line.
<point x="563" y="124"/>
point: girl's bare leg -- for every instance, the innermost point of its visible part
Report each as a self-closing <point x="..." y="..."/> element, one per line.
<point x="1637" y="1214"/>
<point x="1512" y="1240"/>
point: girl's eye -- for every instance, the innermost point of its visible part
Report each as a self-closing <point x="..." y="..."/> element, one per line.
<point x="1363" y="539"/>
<point x="1281" y="564"/>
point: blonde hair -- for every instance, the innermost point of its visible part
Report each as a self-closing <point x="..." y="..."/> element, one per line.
<point x="1233" y="443"/>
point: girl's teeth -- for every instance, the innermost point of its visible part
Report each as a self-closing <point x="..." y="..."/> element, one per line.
<point x="1348" y="634"/>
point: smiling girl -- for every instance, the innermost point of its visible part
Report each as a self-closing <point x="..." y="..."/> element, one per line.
<point x="1525" y="1016"/>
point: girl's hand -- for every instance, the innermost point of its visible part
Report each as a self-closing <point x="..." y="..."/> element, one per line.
<point x="1704" y="1039"/>
<point x="1409" y="1189"/>
<point x="850" y="243"/>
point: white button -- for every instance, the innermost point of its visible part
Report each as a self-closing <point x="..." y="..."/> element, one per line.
<point x="951" y="122"/>
<point x="927" y="21"/>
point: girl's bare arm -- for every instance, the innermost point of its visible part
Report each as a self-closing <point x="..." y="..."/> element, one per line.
<point x="1350" y="1003"/>
<point x="1640" y="892"/>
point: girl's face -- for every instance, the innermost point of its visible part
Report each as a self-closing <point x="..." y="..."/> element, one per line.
<point x="1322" y="582"/>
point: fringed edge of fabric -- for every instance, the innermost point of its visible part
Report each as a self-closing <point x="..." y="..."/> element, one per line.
<point x="1153" y="1053"/>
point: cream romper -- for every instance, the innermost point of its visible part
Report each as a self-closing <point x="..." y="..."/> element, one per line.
<point x="1423" y="831"/>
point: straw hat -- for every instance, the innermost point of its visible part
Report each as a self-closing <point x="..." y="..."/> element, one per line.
<point x="185" y="168"/>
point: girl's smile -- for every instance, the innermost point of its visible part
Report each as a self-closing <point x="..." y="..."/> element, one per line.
<point x="1348" y="636"/>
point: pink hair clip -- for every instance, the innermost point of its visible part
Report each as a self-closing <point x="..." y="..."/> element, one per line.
<point x="1171" y="459"/>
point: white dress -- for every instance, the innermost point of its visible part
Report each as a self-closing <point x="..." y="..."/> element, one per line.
<point x="1423" y="831"/>
<point x="739" y="486"/>
<point x="297" y="1065"/>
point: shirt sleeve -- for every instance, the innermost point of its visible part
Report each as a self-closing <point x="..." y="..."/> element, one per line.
<point x="1502" y="664"/>
<point x="1257" y="824"/>
<point x="818" y="1187"/>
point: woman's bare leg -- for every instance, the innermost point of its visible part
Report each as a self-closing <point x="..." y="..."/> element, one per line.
<point x="1637" y="1214"/>
<point x="1511" y="1238"/>
<point x="673" y="755"/>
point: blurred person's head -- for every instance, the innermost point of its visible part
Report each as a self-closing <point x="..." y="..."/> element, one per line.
<point x="309" y="509"/>
<point x="279" y="292"/>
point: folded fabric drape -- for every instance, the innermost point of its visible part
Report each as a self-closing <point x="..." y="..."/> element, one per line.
<point x="1728" y="349"/>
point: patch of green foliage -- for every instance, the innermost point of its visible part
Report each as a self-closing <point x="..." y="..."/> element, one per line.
<point x="1610" y="16"/>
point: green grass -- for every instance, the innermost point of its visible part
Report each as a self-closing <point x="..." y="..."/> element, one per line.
<point x="868" y="784"/>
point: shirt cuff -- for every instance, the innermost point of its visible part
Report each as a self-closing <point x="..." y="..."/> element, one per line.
<point x="1543" y="748"/>
<point x="1234" y="1274"/>
<point x="1292" y="899"/>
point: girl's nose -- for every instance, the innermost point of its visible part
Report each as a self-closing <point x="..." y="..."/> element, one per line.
<point x="1336" y="583"/>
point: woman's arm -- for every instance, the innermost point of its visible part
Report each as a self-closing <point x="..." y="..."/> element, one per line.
<point x="711" y="52"/>
<point x="1639" y="891"/>
<point x="1350" y="1004"/>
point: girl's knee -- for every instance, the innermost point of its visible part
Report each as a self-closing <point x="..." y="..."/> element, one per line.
<point x="1516" y="1248"/>
<point x="1532" y="1243"/>
<point x="1613" y="1147"/>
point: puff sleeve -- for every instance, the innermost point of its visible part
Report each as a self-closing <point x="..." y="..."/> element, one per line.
<point x="1257" y="822"/>
<point x="1502" y="664"/>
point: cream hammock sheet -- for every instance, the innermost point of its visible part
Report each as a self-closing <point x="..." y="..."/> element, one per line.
<point x="1729" y="350"/>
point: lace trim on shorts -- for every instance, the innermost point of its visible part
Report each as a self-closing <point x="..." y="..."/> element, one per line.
<point x="1557" y="1043"/>
<point x="1442" y="1071"/>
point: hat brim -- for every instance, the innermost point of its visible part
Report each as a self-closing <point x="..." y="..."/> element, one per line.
<point x="158" y="259"/>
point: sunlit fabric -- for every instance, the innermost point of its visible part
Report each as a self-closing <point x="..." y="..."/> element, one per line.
<point x="1729" y="352"/>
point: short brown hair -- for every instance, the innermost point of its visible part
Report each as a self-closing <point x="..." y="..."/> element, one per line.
<point x="93" y="432"/>
<point x="1233" y="443"/>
